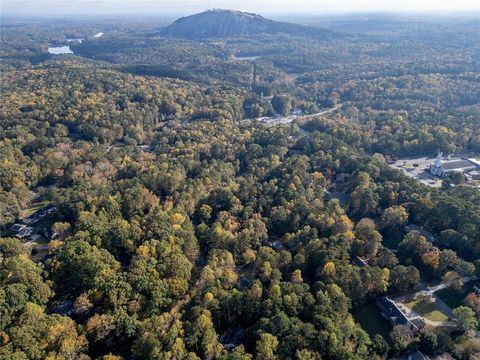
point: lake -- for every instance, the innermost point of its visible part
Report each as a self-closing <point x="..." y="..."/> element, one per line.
<point x="59" y="50"/>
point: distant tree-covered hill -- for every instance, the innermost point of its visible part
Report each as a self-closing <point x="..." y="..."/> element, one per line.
<point x="227" y="23"/>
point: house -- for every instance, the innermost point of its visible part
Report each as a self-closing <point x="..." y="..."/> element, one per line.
<point x="418" y="322"/>
<point x="232" y="337"/>
<point x="473" y="175"/>
<point x="395" y="315"/>
<point x="444" y="167"/>
<point x="21" y="231"/>
<point x="64" y="308"/>
<point x="360" y="261"/>
<point x="40" y="214"/>
<point x="297" y="112"/>
<point x="46" y="210"/>
<point x="443" y="356"/>
<point x="24" y="233"/>
<point x="420" y="231"/>
<point x="18" y="227"/>
<point x="340" y="196"/>
<point x="342" y="177"/>
<point x="418" y="355"/>
<point x="476" y="288"/>
<point x="276" y="245"/>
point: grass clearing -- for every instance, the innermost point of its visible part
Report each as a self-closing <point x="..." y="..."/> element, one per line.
<point x="427" y="309"/>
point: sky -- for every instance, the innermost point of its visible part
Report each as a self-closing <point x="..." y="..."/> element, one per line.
<point x="53" y="7"/>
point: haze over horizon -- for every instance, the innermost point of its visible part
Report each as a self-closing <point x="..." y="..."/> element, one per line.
<point x="170" y="7"/>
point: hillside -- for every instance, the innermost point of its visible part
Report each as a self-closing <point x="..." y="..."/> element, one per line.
<point x="227" y="23"/>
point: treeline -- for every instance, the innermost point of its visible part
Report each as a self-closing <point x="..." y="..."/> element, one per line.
<point x="100" y="104"/>
<point x="227" y="239"/>
<point x="221" y="230"/>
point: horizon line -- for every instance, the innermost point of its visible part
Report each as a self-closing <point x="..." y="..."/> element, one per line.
<point x="445" y="12"/>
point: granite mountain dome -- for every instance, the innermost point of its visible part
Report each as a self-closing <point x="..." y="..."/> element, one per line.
<point x="227" y="23"/>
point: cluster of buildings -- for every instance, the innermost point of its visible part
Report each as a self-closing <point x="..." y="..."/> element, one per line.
<point x="442" y="167"/>
<point x="24" y="230"/>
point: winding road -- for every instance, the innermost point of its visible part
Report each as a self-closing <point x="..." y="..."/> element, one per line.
<point x="291" y="118"/>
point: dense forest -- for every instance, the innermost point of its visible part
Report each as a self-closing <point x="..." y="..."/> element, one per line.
<point x="169" y="222"/>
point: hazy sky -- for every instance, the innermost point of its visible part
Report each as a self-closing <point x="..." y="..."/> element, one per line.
<point x="260" y="6"/>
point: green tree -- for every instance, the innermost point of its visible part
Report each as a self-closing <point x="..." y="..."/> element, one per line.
<point x="401" y="337"/>
<point x="393" y="216"/>
<point x="380" y="345"/>
<point x="282" y="104"/>
<point x="266" y="347"/>
<point x="428" y="342"/>
<point x="465" y="318"/>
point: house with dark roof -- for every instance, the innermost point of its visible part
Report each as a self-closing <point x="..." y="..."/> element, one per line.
<point x="18" y="227"/>
<point x="342" y="177"/>
<point x="473" y="175"/>
<point x="40" y="214"/>
<point x="391" y="311"/>
<point x="418" y="355"/>
<point x="417" y="230"/>
<point x="21" y="231"/>
<point x="476" y="288"/>
<point x="360" y="261"/>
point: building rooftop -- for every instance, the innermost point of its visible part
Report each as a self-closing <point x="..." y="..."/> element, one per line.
<point x="417" y="355"/>
<point x="360" y="261"/>
<point x="18" y="227"/>
<point x="420" y="231"/>
<point x="456" y="164"/>
<point x="391" y="311"/>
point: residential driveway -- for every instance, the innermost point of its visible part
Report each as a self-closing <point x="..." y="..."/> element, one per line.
<point x="412" y="314"/>
<point x="440" y="286"/>
<point x="439" y="303"/>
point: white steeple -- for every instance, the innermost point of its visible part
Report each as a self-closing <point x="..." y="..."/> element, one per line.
<point x="438" y="160"/>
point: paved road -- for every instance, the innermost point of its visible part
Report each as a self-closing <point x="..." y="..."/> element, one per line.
<point x="146" y="148"/>
<point x="324" y="112"/>
<point x="439" y="302"/>
<point x="441" y="305"/>
<point x="440" y="286"/>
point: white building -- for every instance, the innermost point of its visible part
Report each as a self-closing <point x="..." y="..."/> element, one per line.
<point x="444" y="167"/>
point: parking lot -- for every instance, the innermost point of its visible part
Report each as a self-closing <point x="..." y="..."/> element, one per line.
<point x="417" y="168"/>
